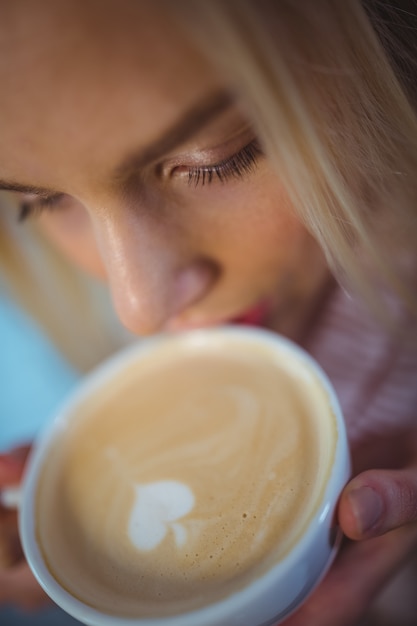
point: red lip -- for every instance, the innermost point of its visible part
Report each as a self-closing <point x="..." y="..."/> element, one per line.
<point x="255" y="316"/>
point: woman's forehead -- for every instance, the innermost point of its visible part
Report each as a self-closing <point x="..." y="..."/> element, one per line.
<point x="94" y="41"/>
<point x="91" y="77"/>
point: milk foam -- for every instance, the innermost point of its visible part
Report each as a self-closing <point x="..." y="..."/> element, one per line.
<point x="156" y="509"/>
<point x="185" y="478"/>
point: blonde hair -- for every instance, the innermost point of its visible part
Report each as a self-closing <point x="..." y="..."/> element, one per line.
<point x="334" y="116"/>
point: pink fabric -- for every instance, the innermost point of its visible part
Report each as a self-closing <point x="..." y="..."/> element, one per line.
<point x="374" y="374"/>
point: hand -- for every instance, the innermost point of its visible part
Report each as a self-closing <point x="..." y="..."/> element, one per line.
<point x="17" y="584"/>
<point x="378" y="511"/>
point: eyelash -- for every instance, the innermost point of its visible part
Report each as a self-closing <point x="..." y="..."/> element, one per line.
<point x="35" y="207"/>
<point x="236" y="166"/>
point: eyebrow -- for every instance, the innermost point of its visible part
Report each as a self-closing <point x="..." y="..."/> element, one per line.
<point x="193" y="120"/>
<point x="32" y="189"/>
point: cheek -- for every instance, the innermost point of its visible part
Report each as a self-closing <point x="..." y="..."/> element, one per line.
<point x="250" y="227"/>
<point x="70" y="231"/>
<point x="246" y="224"/>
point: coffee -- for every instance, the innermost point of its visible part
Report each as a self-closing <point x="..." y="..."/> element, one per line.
<point x="189" y="474"/>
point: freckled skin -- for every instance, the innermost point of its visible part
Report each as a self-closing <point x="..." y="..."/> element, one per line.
<point x="84" y="85"/>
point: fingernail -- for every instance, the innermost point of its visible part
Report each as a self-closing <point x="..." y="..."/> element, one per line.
<point x="367" y="507"/>
<point x="11" y="497"/>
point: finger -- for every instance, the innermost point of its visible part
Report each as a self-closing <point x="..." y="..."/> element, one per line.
<point x="360" y="571"/>
<point x="19" y="587"/>
<point x="12" y="465"/>
<point x="377" y="501"/>
<point x="10" y="546"/>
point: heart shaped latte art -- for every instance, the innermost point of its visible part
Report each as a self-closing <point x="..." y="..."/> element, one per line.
<point x="156" y="510"/>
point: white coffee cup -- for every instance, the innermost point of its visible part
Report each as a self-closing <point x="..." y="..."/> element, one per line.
<point x="61" y="463"/>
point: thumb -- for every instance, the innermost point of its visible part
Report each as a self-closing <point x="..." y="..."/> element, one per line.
<point x="12" y="465"/>
<point x="377" y="501"/>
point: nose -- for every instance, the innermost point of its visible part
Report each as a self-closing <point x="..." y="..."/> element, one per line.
<point x="152" y="276"/>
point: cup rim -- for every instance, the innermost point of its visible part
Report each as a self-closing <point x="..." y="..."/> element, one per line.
<point x="220" y="609"/>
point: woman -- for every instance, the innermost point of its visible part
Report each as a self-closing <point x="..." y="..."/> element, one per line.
<point x="233" y="161"/>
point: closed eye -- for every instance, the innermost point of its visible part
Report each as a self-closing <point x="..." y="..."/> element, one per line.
<point x="38" y="203"/>
<point x="236" y="166"/>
